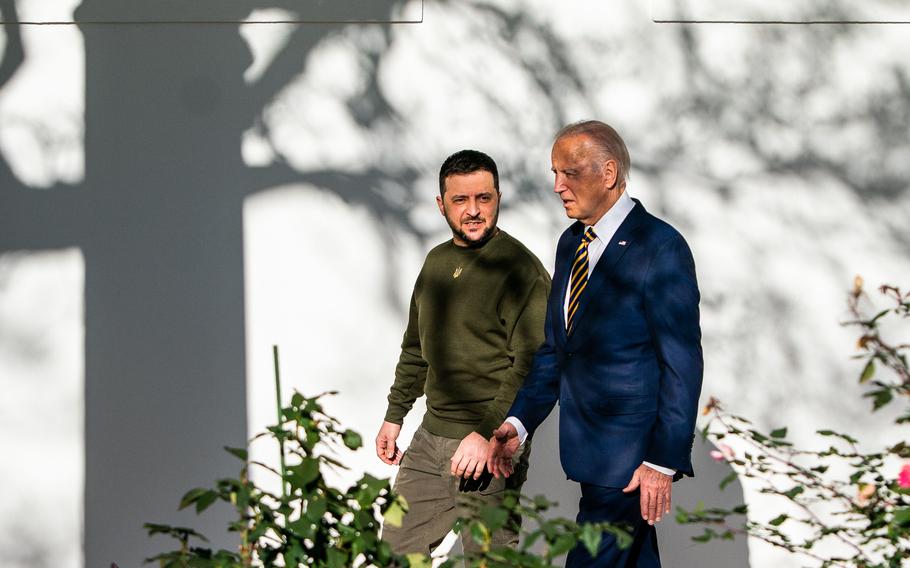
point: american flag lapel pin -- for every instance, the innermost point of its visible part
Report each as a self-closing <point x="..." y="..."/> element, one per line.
<point x="622" y="243"/>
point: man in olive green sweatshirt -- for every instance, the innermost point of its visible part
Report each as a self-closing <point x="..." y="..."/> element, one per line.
<point x="476" y="318"/>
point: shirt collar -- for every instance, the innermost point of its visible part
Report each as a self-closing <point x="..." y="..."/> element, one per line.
<point x="607" y="226"/>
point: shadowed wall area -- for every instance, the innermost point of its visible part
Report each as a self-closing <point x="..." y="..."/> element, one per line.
<point x="249" y="184"/>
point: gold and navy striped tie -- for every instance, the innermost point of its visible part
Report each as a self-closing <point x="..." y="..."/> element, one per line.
<point x="579" y="276"/>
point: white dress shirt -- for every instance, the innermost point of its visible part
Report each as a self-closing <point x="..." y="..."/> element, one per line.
<point x="604" y="228"/>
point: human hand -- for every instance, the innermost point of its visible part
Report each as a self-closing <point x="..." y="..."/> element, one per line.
<point x="470" y="456"/>
<point x="656" y="488"/>
<point x="503" y="445"/>
<point x="386" y="448"/>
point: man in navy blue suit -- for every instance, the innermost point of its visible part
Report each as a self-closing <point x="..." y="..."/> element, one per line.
<point x="622" y="353"/>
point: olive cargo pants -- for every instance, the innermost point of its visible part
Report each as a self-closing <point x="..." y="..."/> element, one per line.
<point x="434" y="500"/>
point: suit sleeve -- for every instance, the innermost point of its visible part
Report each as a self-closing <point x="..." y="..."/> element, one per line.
<point x="540" y="391"/>
<point x="525" y="313"/>
<point x="410" y="373"/>
<point x="671" y="305"/>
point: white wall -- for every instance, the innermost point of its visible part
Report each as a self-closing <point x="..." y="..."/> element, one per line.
<point x="780" y="152"/>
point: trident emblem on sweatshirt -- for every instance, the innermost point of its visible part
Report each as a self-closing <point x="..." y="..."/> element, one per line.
<point x="457" y="272"/>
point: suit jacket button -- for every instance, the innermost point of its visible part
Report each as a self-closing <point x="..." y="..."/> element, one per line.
<point x="570" y="355"/>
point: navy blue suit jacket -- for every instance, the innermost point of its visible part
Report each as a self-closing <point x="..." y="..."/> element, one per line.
<point x="628" y="377"/>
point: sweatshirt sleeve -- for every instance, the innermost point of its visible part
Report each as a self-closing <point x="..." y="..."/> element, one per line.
<point x="524" y="313"/>
<point x="410" y="373"/>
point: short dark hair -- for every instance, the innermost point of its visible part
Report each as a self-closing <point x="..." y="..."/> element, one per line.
<point x="606" y="139"/>
<point x="467" y="162"/>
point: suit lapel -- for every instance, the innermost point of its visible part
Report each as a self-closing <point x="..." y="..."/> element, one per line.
<point x="564" y="253"/>
<point x="621" y="242"/>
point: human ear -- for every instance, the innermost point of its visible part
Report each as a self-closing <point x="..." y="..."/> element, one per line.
<point x="439" y="204"/>
<point x="610" y="173"/>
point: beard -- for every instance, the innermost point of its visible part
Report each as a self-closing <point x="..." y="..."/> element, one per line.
<point x="488" y="232"/>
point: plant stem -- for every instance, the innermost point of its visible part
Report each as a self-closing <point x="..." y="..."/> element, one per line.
<point x="284" y="490"/>
<point x="763" y="449"/>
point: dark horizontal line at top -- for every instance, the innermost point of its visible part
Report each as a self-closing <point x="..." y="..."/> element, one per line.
<point x="418" y="20"/>
<point x="178" y="22"/>
<point x="784" y="22"/>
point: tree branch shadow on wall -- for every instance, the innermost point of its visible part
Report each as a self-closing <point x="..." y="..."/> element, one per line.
<point x="159" y="220"/>
<point x="806" y="108"/>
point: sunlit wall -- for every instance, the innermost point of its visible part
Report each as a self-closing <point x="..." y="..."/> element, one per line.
<point x="177" y="198"/>
<point x="41" y="299"/>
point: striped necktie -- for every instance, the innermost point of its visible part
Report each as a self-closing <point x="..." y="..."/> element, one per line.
<point x="579" y="277"/>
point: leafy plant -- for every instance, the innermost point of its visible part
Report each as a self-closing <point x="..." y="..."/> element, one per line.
<point x="558" y="535"/>
<point x="847" y="506"/>
<point x="310" y="523"/>
<point x="313" y="524"/>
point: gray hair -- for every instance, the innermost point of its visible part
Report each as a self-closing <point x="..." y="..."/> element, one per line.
<point x="606" y="139"/>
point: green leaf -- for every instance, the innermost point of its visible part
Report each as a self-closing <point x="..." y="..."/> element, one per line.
<point x="180" y="533"/>
<point x="376" y="484"/>
<point x="778" y="520"/>
<point x="623" y="538"/>
<point x="315" y="509"/>
<point x="368" y="489"/>
<point x="205" y="500"/>
<point x="541" y="503"/>
<point x="395" y="513"/>
<point x="590" y="538"/>
<point x="191" y="496"/>
<point x="779" y="433"/>
<point x="302" y="474"/>
<point x="418" y="560"/>
<point x="902" y="517"/>
<point x="479" y="533"/>
<point x="731" y="477"/>
<point x="901" y="449"/>
<point x="868" y="371"/>
<point x="880" y="398"/>
<point x="494" y="517"/>
<point x="843" y="437"/>
<point x="878" y="316"/>
<point x="238" y="452"/>
<point x="530" y="539"/>
<point x="352" y="439"/>
<point x="564" y="543"/>
<point x="792" y="493"/>
<point x="757" y="436"/>
<point x="302" y="528"/>
<point x="336" y="559"/>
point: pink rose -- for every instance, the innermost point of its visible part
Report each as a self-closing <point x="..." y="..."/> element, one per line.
<point x="864" y="493"/>
<point x="903" y="478"/>
<point x="722" y="453"/>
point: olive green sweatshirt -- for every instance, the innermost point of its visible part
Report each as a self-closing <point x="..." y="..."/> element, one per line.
<point x="476" y="319"/>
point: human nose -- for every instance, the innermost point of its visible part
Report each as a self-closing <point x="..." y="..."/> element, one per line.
<point x="559" y="184"/>
<point x="473" y="208"/>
